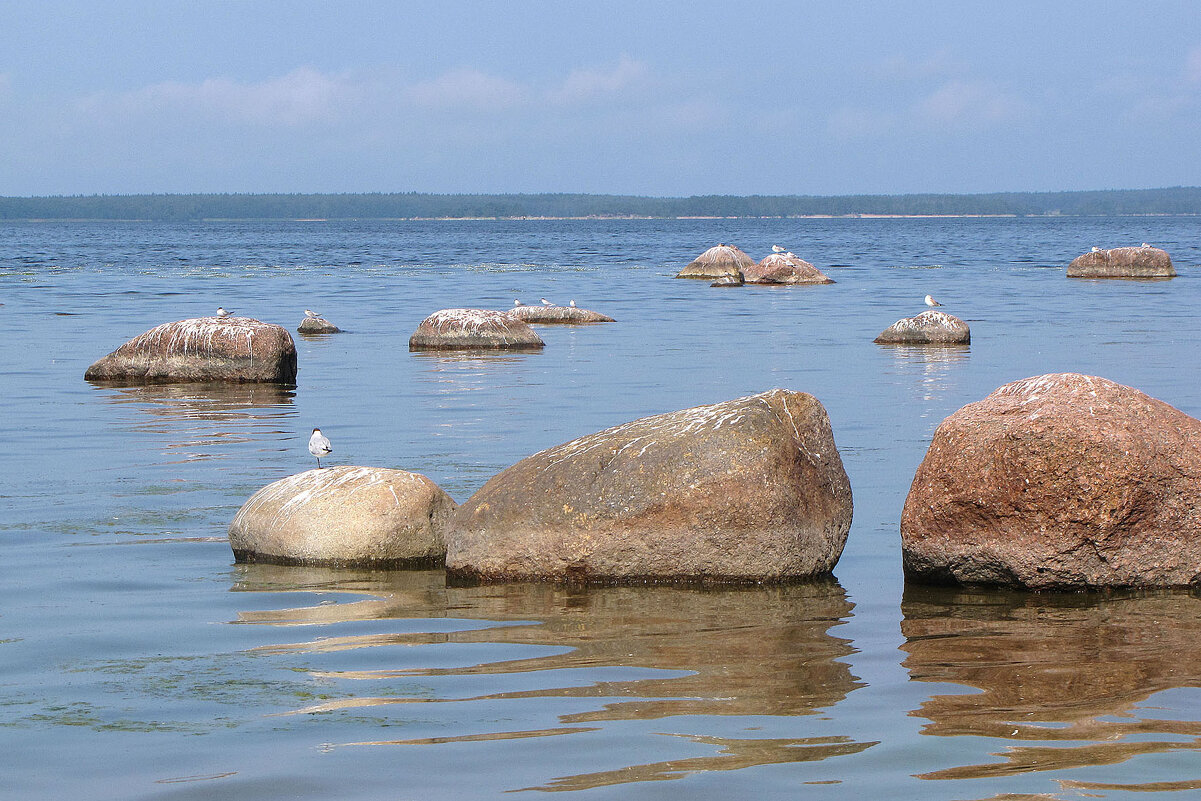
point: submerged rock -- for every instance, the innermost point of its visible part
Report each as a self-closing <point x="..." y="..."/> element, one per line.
<point x="469" y="329"/>
<point x="558" y="314"/>
<point x="751" y="489"/>
<point x="1141" y="262"/>
<point x="718" y="261"/>
<point x="344" y="516"/>
<point x="727" y="281"/>
<point x="927" y="328"/>
<point x="202" y="349"/>
<point x="1058" y="481"/>
<point x="317" y="325"/>
<point x="784" y="268"/>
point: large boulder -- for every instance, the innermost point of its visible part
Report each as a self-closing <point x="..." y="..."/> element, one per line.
<point x="317" y="325"/>
<point x="549" y="315"/>
<point x="1058" y="481"/>
<point x="718" y="261"/>
<point x="751" y="489"/>
<point x="927" y="328"/>
<point x="471" y="329"/>
<point x="1141" y="262"/>
<point x="784" y="268"/>
<point x="203" y="349"/>
<point x="344" y="516"/>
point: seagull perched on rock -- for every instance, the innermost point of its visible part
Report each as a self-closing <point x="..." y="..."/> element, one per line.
<point x="1096" y="249"/>
<point x="571" y="304"/>
<point x="931" y="301"/>
<point x="1145" y="245"/>
<point x="222" y="312"/>
<point x="319" y="446"/>
<point x="777" y="249"/>
<point x="518" y="303"/>
<point x="309" y="314"/>
<point x="546" y="302"/>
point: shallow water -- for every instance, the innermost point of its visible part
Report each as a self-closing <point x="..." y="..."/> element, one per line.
<point x="137" y="661"/>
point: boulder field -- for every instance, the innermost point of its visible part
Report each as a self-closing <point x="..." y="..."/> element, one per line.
<point x="1061" y="481"/>
<point x="239" y="349"/>
<point x="751" y="489"/>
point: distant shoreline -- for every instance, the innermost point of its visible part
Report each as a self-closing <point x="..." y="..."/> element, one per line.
<point x="597" y="217"/>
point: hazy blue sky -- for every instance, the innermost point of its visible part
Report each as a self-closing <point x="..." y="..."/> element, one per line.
<point x="638" y="97"/>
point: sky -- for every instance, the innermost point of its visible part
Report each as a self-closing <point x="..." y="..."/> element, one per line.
<point x="643" y="98"/>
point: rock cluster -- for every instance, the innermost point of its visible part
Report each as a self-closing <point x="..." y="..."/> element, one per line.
<point x="344" y="517"/>
<point x="200" y="350"/>
<point x="751" y="489"/>
<point x="470" y="329"/>
<point x="1058" y="481"/>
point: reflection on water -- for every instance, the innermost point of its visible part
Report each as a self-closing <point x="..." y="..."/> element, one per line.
<point x="643" y="653"/>
<point x="1070" y="680"/>
<point x="929" y="365"/>
<point x="196" y="418"/>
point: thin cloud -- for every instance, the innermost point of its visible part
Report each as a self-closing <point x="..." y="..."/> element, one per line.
<point x="467" y="89"/>
<point x="969" y="103"/>
<point x="583" y="85"/>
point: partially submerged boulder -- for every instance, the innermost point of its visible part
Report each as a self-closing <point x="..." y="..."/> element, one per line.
<point x="550" y="315"/>
<point x="784" y="268"/>
<point x="344" y="516"/>
<point x="1140" y="262"/>
<point x="727" y="281"/>
<point x="1058" y="481"/>
<point x="751" y="489"/>
<point x="716" y="262"/>
<point x="200" y="350"/>
<point x="927" y="328"/>
<point x="317" y="325"/>
<point x="470" y="329"/>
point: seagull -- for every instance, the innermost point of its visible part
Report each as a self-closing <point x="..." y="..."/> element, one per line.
<point x="571" y="304"/>
<point x="777" y="249"/>
<point x="222" y="312"/>
<point x="311" y="315"/>
<point x="931" y="301"/>
<point x="319" y="446"/>
<point x="518" y="303"/>
<point x="1096" y="249"/>
<point x="1145" y="245"/>
<point x="546" y="302"/>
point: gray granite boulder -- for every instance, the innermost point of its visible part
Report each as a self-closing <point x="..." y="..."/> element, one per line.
<point x="1140" y="262"/>
<point x="927" y="328"/>
<point x="471" y="329"/>
<point x="344" y="516"/>
<point x="203" y="349"/>
<point x="317" y="325"/>
<point x="751" y="489"/>
<point x="1061" y="481"/>
<point x="720" y="260"/>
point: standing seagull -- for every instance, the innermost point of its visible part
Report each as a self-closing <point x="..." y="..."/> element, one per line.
<point x="572" y="304"/>
<point x="931" y="301"/>
<point x="777" y="249"/>
<point x="518" y="303"/>
<point x="222" y="312"/>
<point x="546" y="302"/>
<point x="309" y="314"/>
<point x="319" y="446"/>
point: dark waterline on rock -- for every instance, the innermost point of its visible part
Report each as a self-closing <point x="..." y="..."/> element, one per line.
<point x="166" y="671"/>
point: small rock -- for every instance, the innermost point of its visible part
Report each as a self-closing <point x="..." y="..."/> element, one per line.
<point x="558" y="314"/>
<point x="1145" y="262"/>
<point x="202" y="349"/>
<point x="470" y="329"/>
<point x="317" y="325"/>
<point x="927" y="328"/>
<point x="1061" y="481"/>
<point x="751" y="489"/>
<point x="344" y="516"/>
<point x="784" y="268"/>
<point x="718" y="261"/>
<point x="727" y="280"/>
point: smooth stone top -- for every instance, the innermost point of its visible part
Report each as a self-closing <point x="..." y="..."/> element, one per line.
<point x="1138" y="262"/>
<point x="202" y="349"/>
<point x="558" y="314"/>
<point x="718" y="261"/>
<point x="784" y="268"/>
<point x="317" y="325"/>
<point x="927" y="328"/>
<point x="470" y="329"/>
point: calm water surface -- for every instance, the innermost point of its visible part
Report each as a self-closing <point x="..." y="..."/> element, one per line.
<point x="137" y="661"/>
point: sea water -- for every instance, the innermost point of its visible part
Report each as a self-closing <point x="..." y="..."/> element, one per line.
<point x="138" y="661"/>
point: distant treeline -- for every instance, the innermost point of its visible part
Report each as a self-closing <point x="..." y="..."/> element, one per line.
<point x="1175" y="200"/>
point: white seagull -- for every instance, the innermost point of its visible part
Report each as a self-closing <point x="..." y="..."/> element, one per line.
<point x="319" y="446"/>
<point x="546" y="302"/>
<point x="572" y="304"/>
<point x="931" y="301"/>
<point x="1096" y="249"/>
<point x="777" y="249"/>
<point x="518" y="303"/>
<point x="311" y="315"/>
<point x="222" y="312"/>
<point x="1145" y="245"/>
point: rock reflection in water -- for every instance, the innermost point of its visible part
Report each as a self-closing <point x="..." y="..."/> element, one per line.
<point x="197" y="417"/>
<point x="930" y="365"/>
<point x="1064" y="677"/>
<point x="740" y="651"/>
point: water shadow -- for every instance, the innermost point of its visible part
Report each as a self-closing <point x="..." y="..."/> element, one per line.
<point x="1064" y="677"/>
<point x="643" y="653"/>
